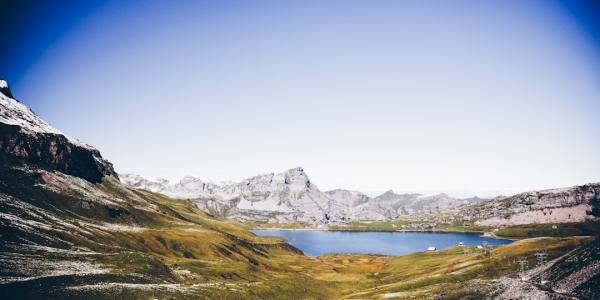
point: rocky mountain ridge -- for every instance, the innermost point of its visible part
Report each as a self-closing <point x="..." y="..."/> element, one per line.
<point x="563" y="205"/>
<point x="290" y="196"/>
<point x="577" y="205"/>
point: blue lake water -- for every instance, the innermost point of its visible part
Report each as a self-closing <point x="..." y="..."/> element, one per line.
<point x="315" y="243"/>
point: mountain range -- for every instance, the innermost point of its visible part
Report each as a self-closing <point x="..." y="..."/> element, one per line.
<point x="290" y="196"/>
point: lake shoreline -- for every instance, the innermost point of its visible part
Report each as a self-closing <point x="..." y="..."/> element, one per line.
<point x="320" y="241"/>
<point x="481" y="233"/>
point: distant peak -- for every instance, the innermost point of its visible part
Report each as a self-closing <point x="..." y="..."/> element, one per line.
<point x="5" y="89"/>
<point x="162" y="180"/>
<point x="388" y="193"/>
<point x="295" y="172"/>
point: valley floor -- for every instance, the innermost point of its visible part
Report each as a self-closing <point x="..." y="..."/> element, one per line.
<point x="454" y="273"/>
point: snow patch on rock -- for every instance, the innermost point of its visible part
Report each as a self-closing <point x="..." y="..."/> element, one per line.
<point x="13" y="112"/>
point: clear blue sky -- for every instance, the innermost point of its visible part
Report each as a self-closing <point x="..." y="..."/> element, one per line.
<point x="467" y="97"/>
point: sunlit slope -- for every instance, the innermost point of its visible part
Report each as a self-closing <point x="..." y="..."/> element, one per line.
<point x="468" y="273"/>
<point x="63" y="230"/>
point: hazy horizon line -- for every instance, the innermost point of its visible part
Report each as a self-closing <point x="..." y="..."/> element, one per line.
<point x="454" y="193"/>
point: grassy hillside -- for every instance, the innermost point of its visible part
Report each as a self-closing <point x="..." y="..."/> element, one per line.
<point x="458" y="272"/>
<point x="589" y="228"/>
<point x="62" y="233"/>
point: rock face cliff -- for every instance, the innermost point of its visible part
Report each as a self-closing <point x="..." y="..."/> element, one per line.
<point x="576" y="204"/>
<point x="564" y="205"/>
<point x="27" y="139"/>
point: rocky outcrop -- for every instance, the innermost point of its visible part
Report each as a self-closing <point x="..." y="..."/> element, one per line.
<point x="288" y="196"/>
<point x="52" y="152"/>
<point x="27" y="139"/>
<point x="565" y="205"/>
<point x="5" y="89"/>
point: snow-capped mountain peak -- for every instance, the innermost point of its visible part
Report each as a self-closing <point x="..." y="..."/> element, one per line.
<point x="5" y="89"/>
